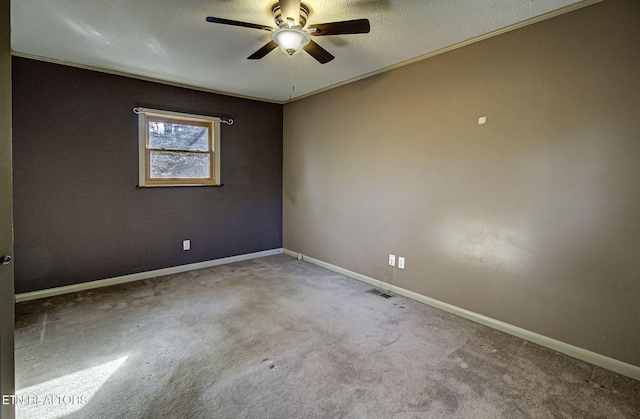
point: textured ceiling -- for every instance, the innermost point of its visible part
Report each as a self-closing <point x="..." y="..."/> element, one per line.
<point x="170" y="40"/>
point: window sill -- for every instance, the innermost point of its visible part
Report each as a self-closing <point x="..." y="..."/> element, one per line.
<point x="178" y="186"/>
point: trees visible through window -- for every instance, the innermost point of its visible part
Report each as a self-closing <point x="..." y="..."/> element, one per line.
<point x="179" y="149"/>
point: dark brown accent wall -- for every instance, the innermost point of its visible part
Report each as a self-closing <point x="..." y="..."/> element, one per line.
<point x="532" y="219"/>
<point x="78" y="213"/>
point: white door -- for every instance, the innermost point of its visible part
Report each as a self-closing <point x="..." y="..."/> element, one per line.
<point x="7" y="380"/>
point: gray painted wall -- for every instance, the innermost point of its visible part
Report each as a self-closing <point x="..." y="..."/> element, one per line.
<point x="531" y="219"/>
<point x="78" y="214"/>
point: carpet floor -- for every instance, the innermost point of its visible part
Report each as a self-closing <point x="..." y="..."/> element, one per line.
<point x="275" y="337"/>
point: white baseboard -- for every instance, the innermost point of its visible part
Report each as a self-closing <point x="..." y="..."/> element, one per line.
<point x="611" y="364"/>
<point x="142" y="275"/>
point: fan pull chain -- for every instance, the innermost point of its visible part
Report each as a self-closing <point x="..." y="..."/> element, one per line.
<point x="293" y="86"/>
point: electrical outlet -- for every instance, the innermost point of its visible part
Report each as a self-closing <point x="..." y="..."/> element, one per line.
<point x="392" y="260"/>
<point x="186" y="244"/>
<point x="401" y="262"/>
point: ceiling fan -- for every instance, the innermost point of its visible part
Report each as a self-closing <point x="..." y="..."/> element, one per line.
<point x="290" y="17"/>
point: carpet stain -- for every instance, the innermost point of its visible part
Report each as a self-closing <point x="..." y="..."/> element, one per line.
<point x="268" y="363"/>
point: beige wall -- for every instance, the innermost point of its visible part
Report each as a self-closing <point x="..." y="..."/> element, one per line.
<point x="532" y="219"/>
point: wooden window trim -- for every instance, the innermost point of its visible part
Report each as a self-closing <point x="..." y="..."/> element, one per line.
<point x="147" y="115"/>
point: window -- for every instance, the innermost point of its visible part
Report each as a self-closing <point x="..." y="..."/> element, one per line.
<point x="178" y="149"/>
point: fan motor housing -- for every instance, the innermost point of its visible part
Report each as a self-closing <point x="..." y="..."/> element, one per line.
<point x="281" y="22"/>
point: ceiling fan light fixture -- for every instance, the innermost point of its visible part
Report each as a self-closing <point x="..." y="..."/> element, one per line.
<point x="290" y="35"/>
<point x="291" y="40"/>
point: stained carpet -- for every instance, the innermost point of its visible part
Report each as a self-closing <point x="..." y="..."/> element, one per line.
<point x="280" y="338"/>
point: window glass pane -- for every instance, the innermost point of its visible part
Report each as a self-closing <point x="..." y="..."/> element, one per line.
<point x="178" y="136"/>
<point x="174" y="164"/>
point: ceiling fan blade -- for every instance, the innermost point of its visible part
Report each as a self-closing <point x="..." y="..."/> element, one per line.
<point x="236" y="23"/>
<point x="341" y="28"/>
<point x="319" y="53"/>
<point x="270" y="46"/>
<point x="290" y="9"/>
